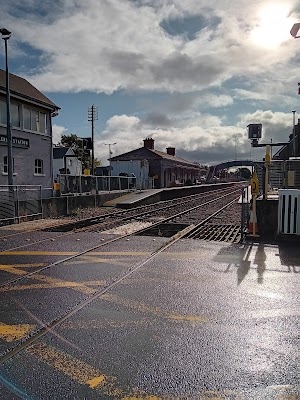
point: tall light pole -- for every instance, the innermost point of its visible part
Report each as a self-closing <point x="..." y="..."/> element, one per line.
<point x="109" y="157"/>
<point x="109" y="152"/>
<point x="5" y="36"/>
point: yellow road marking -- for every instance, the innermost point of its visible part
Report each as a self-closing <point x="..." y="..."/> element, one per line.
<point x="71" y="253"/>
<point x="142" y="398"/>
<point x="10" y="333"/>
<point x="83" y="373"/>
<point x="14" y="269"/>
<point x="92" y="259"/>
<point x="152" y="310"/>
<point x="80" y="287"/>
<point x="120" y="253"/>
<point x="37" y="253"/>
<point x="53" y="283"/>
<point x="98" y="381"/>
<point x="73" y="367"/>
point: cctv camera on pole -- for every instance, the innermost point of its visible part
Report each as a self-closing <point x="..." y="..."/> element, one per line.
<point x="294" y="31"/>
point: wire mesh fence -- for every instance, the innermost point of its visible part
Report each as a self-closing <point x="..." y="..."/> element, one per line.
<point x="20" y="202"/>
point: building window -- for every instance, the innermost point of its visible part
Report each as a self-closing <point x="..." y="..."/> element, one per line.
<point x="38" y="166"/>
<point x="14" y="114"/>
<point x="26" y="118"/>
<point x="34" y="120"/>
<point x="2" y="112"/>
<point x="5" y="165"/>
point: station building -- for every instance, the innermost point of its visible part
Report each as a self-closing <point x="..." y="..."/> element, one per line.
<point x="165" y="169"/>
<point x="31" y="119"/>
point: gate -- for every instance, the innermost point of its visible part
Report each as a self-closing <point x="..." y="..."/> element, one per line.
<point x="19" y="203"/>
<point x="245" y="210"/>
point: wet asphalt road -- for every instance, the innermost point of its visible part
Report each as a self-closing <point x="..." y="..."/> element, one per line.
<point x="201" y="320"/>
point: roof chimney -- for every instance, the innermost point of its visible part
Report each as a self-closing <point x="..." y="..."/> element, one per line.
<point x="149" y="143"/>
<point x="171" y="151"/>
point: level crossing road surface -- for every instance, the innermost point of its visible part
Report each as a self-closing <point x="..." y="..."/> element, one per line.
<point x="197" y="320"/>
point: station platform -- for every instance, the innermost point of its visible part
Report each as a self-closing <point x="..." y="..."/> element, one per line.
<point x="134" y="198"/>
<point x="149" y="196"/>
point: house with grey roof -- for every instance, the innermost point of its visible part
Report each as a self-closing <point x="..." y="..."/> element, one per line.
<point x="165" y="168"/>
<point x="31" y="120"/>
<point x="65" y="162"/>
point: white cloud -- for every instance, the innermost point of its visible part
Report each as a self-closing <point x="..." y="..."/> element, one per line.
<point x="110" y="45"/>
<point x="201" y="141"/>
<point x="57" y="132"/>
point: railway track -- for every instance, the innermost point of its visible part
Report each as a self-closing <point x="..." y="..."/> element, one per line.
<point x="109" y="220"/>
<point x="188" y="220"/>
<point x="49" y="325"/>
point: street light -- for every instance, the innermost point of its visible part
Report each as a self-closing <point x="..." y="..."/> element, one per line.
<point x="109" y="152"/>
<point x="109" y="156"/>
<point x="5" y="36"/>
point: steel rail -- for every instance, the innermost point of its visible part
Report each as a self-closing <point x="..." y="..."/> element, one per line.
<point x="137" y="232"/>
<point x="49" y="327"/>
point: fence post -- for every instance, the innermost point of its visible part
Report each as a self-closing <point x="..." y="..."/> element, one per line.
<point x="243" y="214"/>
<point x="41" y="200"/>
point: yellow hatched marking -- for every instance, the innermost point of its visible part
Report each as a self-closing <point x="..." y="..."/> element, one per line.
<point x="52" y="283"/>
<point x="83" y="373"/>
<point x="71" y="253"/>
<point x="10" y="333"/>
<point x="76" y="369"/>
<point x="152" y="310"/>
<point x="80" y="287"/>
<point x="49" y="286"/>
<point x="120" y="253"/>
<point x="98" y="380"/>
<point x="15" y="269"/>
<point x="90" y="260"/>
<point x="37" y="253"/>
<point x="142" y="398"/>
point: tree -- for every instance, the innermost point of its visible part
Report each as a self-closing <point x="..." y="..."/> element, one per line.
<point x="244" y="173"/>
<point x="79" y="146"/>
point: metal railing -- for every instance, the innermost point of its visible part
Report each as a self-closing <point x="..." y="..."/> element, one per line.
<point x="70" y="184"/>
<point x="245" y="211"/>
<point x="19" y="202"/>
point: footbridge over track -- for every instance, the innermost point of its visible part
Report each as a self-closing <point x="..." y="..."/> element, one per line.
<point x="213" y="169"/>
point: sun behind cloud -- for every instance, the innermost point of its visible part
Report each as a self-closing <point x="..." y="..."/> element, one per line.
<point x="273" y="27"/>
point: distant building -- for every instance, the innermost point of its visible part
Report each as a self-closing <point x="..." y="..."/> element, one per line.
<point x="65" y="162"/>
<point x="31" y="119"/>
<point x="165" y="168"/>
<point x="287" y="151"/>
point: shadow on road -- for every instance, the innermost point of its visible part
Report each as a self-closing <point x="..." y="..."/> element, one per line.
<point x="281" y="258"/>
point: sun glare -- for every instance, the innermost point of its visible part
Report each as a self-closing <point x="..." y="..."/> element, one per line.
<point x="273" y="27"/>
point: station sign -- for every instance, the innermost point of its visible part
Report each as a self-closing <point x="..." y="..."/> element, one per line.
<point x="16" y="142"/>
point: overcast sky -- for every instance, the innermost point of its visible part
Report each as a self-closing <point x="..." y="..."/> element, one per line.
<point x="189" y="73"/>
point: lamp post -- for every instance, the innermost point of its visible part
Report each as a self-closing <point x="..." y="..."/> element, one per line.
<point x="109" y="156"/>
<point x="5" y="36"/>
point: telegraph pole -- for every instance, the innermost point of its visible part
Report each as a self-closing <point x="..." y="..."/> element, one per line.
<point x="294" y="134"/>
<point x="92" y="117"/>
